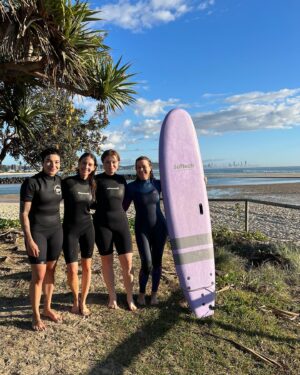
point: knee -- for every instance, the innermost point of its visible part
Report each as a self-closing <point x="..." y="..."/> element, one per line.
<point x="51" y="268"/>
<point x="86" y="267"/>
<point x="147" y="267"/>
<point x="38" y="278"/>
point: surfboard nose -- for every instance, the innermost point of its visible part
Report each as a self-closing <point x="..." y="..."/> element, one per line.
<point x="178" y="114"/>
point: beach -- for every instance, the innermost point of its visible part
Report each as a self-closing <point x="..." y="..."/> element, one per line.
<point x="116" y="341"/>
<point x="278" y="223"/>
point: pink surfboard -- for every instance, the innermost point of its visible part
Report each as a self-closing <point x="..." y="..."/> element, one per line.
<point x="187" y="211"/>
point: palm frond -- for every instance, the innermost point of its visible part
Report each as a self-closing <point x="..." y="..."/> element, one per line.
<point x="112" y="86"/>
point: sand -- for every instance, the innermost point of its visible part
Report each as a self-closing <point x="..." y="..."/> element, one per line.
<point x="276" y="222"/>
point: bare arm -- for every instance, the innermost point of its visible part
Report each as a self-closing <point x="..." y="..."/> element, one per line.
<point x="31" y="246"/>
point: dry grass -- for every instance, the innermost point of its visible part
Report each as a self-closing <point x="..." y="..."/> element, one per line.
<point x="166" y="339"/>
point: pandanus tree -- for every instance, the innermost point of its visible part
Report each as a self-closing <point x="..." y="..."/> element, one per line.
<point x="51" y="43"/>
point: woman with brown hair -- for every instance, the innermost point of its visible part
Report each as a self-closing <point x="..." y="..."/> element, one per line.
<point x="79" y="194"/>
<point x="150" y="225"/>
<point x="111" y="227"/>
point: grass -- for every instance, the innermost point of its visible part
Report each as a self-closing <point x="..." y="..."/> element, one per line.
<point x="168" y="339"/>
<point x="8" y="223"/>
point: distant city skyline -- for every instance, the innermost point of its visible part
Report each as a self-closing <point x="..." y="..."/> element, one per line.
<point x="232" y="64"/>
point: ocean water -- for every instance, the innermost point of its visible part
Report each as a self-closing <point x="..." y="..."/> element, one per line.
<point x="212" y="181"/>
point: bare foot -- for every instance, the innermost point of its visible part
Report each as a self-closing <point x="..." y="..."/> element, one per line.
<point x="84" y="310"/>
<point x="154" y="301"/>
<point x="38" y="325"/>
<point x="52" y="315"/>
<point x="131" y="306"/>
<point x="141" y="299"/>
<point x="113" y="305"/>
<point x="75" y="309"/>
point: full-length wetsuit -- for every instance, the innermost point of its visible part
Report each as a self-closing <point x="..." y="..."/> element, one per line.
<point x="150" y="228"/>
<point x="110" y="220"/>
<point x="78" y="226"/>
<point x="44" y="193"/>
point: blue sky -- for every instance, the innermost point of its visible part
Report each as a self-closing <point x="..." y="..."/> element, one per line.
<point x="234" y="65"/>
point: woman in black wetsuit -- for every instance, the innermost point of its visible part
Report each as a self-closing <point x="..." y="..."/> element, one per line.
<point x="40" y="198"/>
<point x="78" y="195"/>
<point x="150" y="225"/>
<point x="111" y="227"/>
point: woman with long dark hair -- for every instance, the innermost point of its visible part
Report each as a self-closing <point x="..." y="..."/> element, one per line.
<point x="79" y="194"/>
<point x="150" y="225"/>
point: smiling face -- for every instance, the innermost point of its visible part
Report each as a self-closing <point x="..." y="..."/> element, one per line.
<point x="51" y="164"/>
<point x="143" y="169"/>
<point x="86" y="166"/>
<point x="110" y="165"/>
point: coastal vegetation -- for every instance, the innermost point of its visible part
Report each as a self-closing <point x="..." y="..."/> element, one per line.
<point x="49" y="44"/>
<point x="59" y="124"/>
<point x="255" y="327"/>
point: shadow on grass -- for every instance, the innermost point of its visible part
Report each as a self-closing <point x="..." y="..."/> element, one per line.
<point x="15" y="311"/>
<point x="24" y="275"/>
<point x="126" y="352"/>
<point x="250" y="332"/>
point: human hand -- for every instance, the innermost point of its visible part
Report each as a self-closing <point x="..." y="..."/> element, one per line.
<point x="33" y="249"/>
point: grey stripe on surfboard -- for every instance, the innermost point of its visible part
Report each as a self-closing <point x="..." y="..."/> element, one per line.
<point x="190" y="241"/>
<point x="194" y="256"/>
<point x="201" y="288"/>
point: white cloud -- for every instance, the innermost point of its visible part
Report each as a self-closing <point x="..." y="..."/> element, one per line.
<point x="87" y="104"/>
<point x="147" y="128"/>
<point x="252" y="111"/>
<point x="115" y="140"/>
<point x="147" y="108"/>
<point x="127" y="123"/>
<point x="260" y="97"/>
<point x="145" y="14"/>
<point x="206" y="4"/>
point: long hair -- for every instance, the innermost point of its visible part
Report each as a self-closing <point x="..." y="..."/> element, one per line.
<point x="150" y="165"/>
<point x="91" y="178"/>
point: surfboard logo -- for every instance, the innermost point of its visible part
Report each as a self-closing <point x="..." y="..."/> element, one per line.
<point x="184" y="166"/>
<point x="57" y="189"/>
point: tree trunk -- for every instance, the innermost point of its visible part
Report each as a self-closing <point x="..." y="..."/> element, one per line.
<point x="4" y="151"/>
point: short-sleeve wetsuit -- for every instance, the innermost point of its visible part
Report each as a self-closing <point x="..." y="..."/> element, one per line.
<point x="44" y="193"/>
<point x="78" y="225"/>
<point x="150" y="228"/>
<point x="110" y="220"/>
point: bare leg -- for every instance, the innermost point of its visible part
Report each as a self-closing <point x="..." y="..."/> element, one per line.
<point x="73" y="283"/>
<point x="126" y="264"/>
<point x="48" y="287"/>
<point x="109" y="278"/>
<point x="35" y="292"/>
<point x="86" y="264"/>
